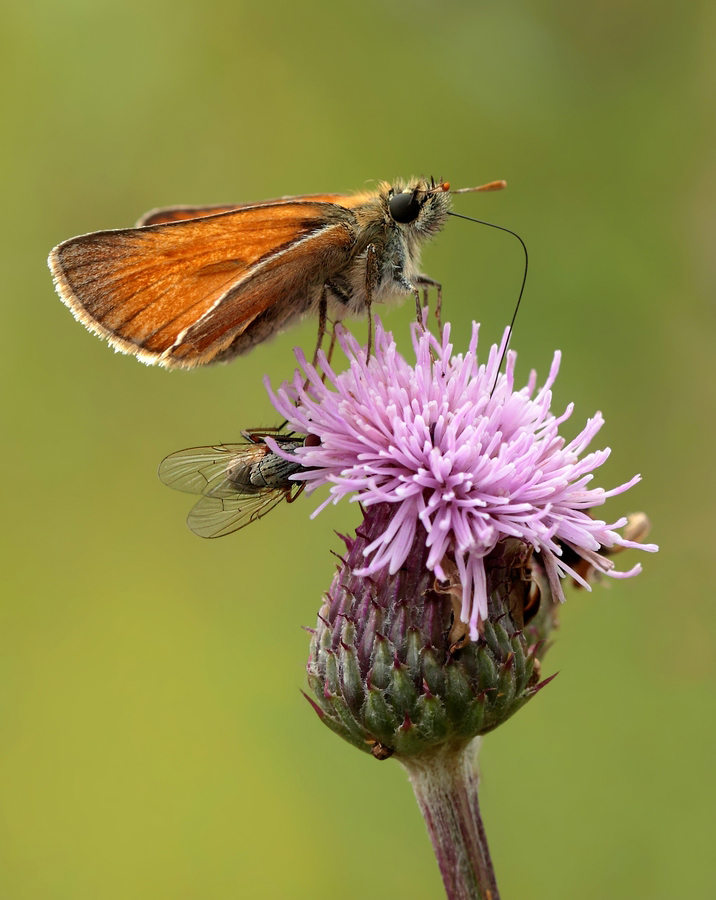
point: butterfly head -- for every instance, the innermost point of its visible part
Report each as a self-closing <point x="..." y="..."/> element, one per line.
<point x="420" y="205"/>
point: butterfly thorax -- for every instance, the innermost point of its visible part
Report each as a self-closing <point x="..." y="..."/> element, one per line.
<point x="395" y="246"/>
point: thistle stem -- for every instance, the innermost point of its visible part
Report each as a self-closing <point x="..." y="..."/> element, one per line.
<point x="445" y="784"/>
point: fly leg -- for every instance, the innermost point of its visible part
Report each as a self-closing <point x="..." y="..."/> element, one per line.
<point x="294" y="495"/>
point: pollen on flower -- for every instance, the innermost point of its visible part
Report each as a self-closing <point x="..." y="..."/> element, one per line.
<point x="473" y="465"/>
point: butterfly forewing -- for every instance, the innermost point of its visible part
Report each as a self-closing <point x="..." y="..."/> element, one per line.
<point x="145" y="289"/>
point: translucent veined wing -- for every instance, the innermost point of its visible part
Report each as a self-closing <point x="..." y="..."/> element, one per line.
<point x="239" y="482"/>
<point x="203" y="470"/>
<point x="214" y="517"/>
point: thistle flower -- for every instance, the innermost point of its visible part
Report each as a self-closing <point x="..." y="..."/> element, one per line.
<point x="460" y="453"/>
<point x="435" y="624"/>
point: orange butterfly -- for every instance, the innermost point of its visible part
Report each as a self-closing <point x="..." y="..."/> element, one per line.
<point x="194" y="285"/>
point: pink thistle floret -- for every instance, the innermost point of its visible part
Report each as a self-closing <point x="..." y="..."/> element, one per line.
<point x="473" y="465"/>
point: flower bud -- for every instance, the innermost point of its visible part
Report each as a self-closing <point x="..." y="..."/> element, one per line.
<point x="393" y="668"/>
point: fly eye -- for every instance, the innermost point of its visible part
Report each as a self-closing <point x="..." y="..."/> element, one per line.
<point x="404" y="207"/>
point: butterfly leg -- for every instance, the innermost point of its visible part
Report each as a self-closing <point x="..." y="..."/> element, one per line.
<point x="332" y="345"/>
<point x="424" y="282"/>
<point x="372" y="278"/>
<point x="331" y="348"/>
<point x="411" y="288"/>
<point x="322" y="318"/>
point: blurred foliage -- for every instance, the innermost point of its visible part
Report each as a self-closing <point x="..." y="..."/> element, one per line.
<point x="153" y="741"/>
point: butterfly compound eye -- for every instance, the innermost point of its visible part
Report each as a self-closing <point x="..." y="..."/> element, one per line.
<point x="404" y="207"/>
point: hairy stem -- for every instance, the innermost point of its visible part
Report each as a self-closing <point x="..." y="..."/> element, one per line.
<point x="445" y="784"/>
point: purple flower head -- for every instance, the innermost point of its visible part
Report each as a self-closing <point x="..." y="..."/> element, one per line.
<point x="469" y="464"/>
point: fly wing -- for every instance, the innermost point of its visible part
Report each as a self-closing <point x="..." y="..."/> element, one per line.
<point x="144" y="288"/>
<point x="206" y="470"/>
<point x="214" y="517"/>
<point x="179" y="213"/>
<point x="222" y="475"/>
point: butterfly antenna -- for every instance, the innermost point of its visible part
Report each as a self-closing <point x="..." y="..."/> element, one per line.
<point x="522" y="287"/>
<point x="498" y="185"/>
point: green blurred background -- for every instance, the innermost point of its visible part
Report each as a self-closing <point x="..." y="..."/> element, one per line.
<point x="153" y="740"/>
